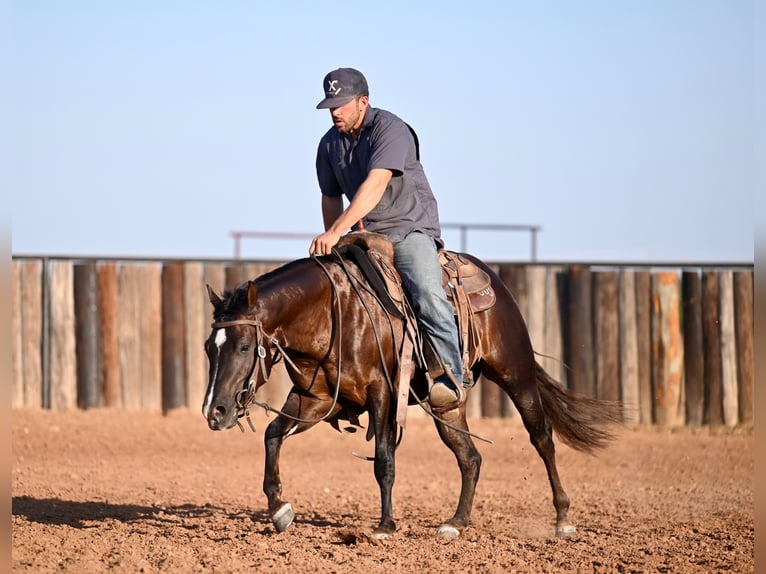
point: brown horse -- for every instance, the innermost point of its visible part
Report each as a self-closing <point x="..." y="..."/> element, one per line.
<point x="340" y="348"/>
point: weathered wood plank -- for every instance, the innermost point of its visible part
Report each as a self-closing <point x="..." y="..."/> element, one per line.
<point x="553" y="362"/>
<point x="667" y="350"/>
<point x="196" y="307"/>
<point x="535" y="317"/>
<point x="728" y="347"/>
<point x="628" y="336"/>
<point x="17" y="333"/>
<point x="130" y="334"/>
<point x="236" y="274"/>
<point x="606" y="339"/>
<point x="32" y="317"/>
<point x="109" y="312"/>
<point x="711" y="339"/>
<point x="150" y="327"/>
<point x="644" y="346"/>
<point x="63" y="363"/>
<point x="743" y="310"/>
<point x="694" y="359"/>
<point x="87" y="336"/>
<point x="213" y="274"/>
<point x="173" y="337"/>
<point x="579" y="355"/>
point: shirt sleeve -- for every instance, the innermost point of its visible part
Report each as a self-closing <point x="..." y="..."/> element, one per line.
<point x="328" y="183"/>
<point x="392" y="144"/>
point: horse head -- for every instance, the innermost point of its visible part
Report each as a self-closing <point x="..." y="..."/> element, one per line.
<point x="240" y="361"/>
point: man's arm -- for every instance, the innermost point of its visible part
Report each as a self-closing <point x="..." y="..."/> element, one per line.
<point x="367" y="197"/>
<point x="332" y="208"/>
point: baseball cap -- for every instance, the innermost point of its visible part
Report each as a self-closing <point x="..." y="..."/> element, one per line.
<point x="341" y="86"/>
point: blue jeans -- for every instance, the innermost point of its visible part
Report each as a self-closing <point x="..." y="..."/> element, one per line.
<point x="417" y="261"/>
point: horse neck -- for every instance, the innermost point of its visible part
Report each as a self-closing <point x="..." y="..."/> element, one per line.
<point x="294" y="304"/>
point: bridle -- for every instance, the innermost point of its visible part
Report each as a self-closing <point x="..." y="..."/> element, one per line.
<point x="245" y="398"/>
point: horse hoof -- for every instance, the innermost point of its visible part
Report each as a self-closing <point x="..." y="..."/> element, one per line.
<point x="447" y="531"/>
<point x="380" y="535"/>
<point x="283" y="517"/>
<point x="565" y="531"/>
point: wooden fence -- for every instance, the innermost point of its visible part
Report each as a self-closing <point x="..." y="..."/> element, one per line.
<point x="675" y="344"/>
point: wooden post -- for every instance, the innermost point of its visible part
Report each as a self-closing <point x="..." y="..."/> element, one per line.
<point x="694" y="361"/>
<point x="667" y="350"/>
<point x="535" y="317"/>
<point x="32" y="317"/>
<point x="236" y="274"/>
<point x="129" y="335"/>
<point x="554" y="344"/>
<point x="606" y="339"/>
<point x="28" y="330"/>
<point x="711" y="340"/>
<point x="743" y="309"/>
<point x="150" y="326"/>
<point x="63" y="363"/>
<point x="644" y="346"/>
<point x="108" y="310"/>
<point x="196" y="305"/>
<point x="582" y="376"/>
<point x="728" y="347"/>
<point x="214" y="274"/>
<point x="87" y="335"/>
<point x="17" y="344"/>
<point x="628" y="346"/>
<point x="173" y="337"/>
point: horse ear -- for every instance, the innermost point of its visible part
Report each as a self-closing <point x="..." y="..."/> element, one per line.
<point x="214" y="299"/>
<point x="252" y="294"/>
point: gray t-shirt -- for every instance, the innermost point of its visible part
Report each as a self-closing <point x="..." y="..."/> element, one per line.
<point x="385" y="141"/>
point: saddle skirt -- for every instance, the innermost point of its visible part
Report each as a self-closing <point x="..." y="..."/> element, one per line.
<point x="468" y="287"/>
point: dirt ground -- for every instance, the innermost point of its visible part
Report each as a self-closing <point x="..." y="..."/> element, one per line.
<point x="115" y="491"/>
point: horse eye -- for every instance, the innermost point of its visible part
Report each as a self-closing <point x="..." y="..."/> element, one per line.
<point x="245" y="348"/>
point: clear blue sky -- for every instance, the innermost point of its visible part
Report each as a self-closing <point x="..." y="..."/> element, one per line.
<point x="627" y="130"/>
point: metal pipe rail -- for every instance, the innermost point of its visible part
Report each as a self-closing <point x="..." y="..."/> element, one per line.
<point x="464" y="228"/>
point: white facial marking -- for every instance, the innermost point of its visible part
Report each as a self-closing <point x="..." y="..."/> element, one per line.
<point x="220" y="339"/>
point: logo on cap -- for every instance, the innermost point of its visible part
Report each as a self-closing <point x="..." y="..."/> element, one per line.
<point x="335" y="91"/>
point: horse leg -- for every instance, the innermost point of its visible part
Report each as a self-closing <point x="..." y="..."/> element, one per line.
<point x="527" y="400"/>
<point x="281" y="427"/>
<point x="469" y="462"/>
<point x="385" y="469"/>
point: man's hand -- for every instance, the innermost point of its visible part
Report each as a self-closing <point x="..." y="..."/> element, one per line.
<point x="323" y="244"/>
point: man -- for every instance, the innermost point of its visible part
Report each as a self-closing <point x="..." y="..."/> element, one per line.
<point x="371" y="157"/>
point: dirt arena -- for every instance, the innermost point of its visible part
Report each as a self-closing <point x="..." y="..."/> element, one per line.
<point x="113" y="491"/>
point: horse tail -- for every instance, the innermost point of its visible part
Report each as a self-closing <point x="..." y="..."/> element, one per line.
<point x="577" y="418"/>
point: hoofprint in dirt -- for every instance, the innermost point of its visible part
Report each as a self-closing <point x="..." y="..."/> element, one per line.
<point x="106" y="490"/>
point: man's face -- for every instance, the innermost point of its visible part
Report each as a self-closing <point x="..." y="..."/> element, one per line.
<point x="348" y="117"/>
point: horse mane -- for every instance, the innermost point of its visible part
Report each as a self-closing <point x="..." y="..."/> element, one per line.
<point x="235" y="300"/>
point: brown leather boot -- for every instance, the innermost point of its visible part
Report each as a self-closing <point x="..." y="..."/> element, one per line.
<point x="446" y="393"/>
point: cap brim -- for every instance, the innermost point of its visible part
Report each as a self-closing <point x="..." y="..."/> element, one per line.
<point x="334" y="102"/>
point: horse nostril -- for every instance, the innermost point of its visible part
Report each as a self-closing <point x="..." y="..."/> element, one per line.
<point x="219" y="412"/>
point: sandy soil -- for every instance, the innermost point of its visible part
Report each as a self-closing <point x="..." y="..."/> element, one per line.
<point x="114" y="491"/>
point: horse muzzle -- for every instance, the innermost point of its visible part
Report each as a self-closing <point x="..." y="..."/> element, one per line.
<point x="219" y="418"/>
